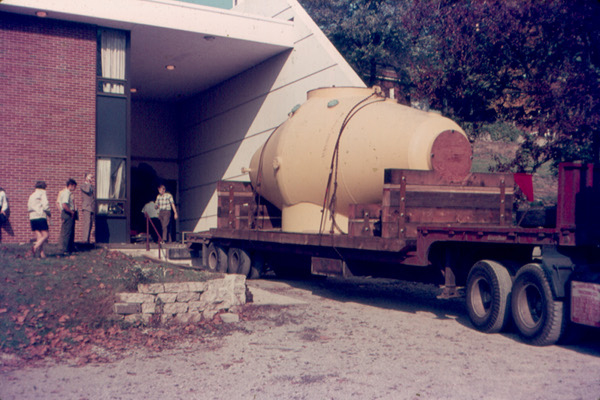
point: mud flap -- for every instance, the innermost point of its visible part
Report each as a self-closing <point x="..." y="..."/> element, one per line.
<point x="585" y="303"/>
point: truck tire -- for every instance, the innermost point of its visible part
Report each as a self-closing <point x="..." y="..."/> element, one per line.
<point x="254" y="273"/>
<point x="537" y="315"/>
<point x="488" y="296"/>
<point x="238" y="261"/>
<point x="257" y="266"/>
<point x="216" y="258"/>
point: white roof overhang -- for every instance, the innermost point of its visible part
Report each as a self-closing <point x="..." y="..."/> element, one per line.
<point x="206" y="45"/>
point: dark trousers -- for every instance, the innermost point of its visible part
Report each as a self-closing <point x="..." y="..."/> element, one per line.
<point x="67" y="232"/>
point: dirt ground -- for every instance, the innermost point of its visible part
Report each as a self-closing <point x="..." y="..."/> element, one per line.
<point x="334" y="339"/>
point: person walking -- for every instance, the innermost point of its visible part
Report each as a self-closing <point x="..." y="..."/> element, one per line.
<point x="88" y="207"/>
<point x="68" y="215"/>
<point x="39" y="211"/>
<point x="164" y="204"/>
<point x="3" y="207"/>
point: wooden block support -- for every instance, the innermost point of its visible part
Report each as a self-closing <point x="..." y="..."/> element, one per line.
<point x="362" y="219"/>
<point x="240" y="208"/>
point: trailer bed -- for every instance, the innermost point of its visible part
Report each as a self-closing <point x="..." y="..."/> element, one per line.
<point x="304" y="239"/>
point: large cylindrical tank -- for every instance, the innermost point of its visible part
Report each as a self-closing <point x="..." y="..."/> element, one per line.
<point x="338" y="143"/>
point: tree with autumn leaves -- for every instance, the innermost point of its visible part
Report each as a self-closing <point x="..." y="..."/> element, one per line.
<point x="530" y="65"/>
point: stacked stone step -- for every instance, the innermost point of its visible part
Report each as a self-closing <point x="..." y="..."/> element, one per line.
<point x="182" y="302"/>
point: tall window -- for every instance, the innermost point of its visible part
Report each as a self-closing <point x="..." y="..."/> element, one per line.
<point x="112" y="60"/>
<point x="111" y="182"/>
<point x="112" y="137"/>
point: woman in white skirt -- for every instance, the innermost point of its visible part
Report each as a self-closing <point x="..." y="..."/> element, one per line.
<point x="39" y="211"/>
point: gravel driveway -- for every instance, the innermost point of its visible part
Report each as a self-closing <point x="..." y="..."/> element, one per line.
<point x="334" y="339"/>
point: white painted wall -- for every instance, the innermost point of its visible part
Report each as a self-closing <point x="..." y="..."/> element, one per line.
<point x="225" y="125"/>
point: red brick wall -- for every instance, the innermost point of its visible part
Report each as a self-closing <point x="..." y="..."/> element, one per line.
<point x="47" y="113"/>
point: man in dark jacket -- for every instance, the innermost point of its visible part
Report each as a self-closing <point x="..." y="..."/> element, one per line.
<point x="88" y="207"/>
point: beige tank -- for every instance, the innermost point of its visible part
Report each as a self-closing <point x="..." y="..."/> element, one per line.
<point x="333" y="151"/>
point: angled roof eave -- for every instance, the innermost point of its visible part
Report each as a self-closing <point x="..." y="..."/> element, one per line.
<point x="170" y="14"/>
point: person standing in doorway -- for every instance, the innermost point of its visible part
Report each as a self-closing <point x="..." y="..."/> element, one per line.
<point x="88" y="207"/>
<point x="164" y="204"/>
<point x="39" y="211"/>
<point x="68" y="215"/>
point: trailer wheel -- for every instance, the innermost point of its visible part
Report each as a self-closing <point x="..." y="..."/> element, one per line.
<point x="538" y="317"/>
<point x="488" y="296"/>
<point x="217" y="258"/>
<point x="238" y="262"/>
<point x="257" y="266"/>
<point x="254" y="273"/>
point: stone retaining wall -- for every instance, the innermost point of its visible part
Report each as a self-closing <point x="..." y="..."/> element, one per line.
<point x="182" y="301"/>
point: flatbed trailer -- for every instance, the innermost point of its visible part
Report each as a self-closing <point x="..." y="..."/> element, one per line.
<point x="430" y="227"/>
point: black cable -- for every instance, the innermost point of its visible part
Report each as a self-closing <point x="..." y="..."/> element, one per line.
<point x="333" y="170"/>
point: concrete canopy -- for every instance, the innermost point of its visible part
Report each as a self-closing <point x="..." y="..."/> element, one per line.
<point x="205" y="45"/>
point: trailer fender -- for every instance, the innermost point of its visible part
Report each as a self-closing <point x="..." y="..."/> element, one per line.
<point x="558" y="268"/>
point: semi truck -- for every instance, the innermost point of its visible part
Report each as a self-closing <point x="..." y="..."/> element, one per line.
<point x="356" y="184"/>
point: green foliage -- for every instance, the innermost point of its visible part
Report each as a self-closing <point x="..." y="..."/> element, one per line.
<point x="501" y="131"/>
<point x="366" y="32"/>
<point x="530" y="64"/>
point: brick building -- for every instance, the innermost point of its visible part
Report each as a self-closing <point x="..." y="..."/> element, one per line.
<point x="140" y="92"/>
<point x="47" y="103"/>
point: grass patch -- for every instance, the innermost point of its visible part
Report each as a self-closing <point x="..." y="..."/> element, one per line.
<point x="59" y="305"/>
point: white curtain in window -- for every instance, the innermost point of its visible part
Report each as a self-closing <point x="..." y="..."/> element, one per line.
<point x="112" y="50"/>
<point x="118" y="188"/>
<point x="103" y="184"/>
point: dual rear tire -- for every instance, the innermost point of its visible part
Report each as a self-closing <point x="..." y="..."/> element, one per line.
<point x="493" y="298"/>
<point x="216" y="259"/>
<point x="488" y="296"/>
<point x="230" y="260"/>
<point x="238" y="262"/>
<point x="539" y="318"/>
